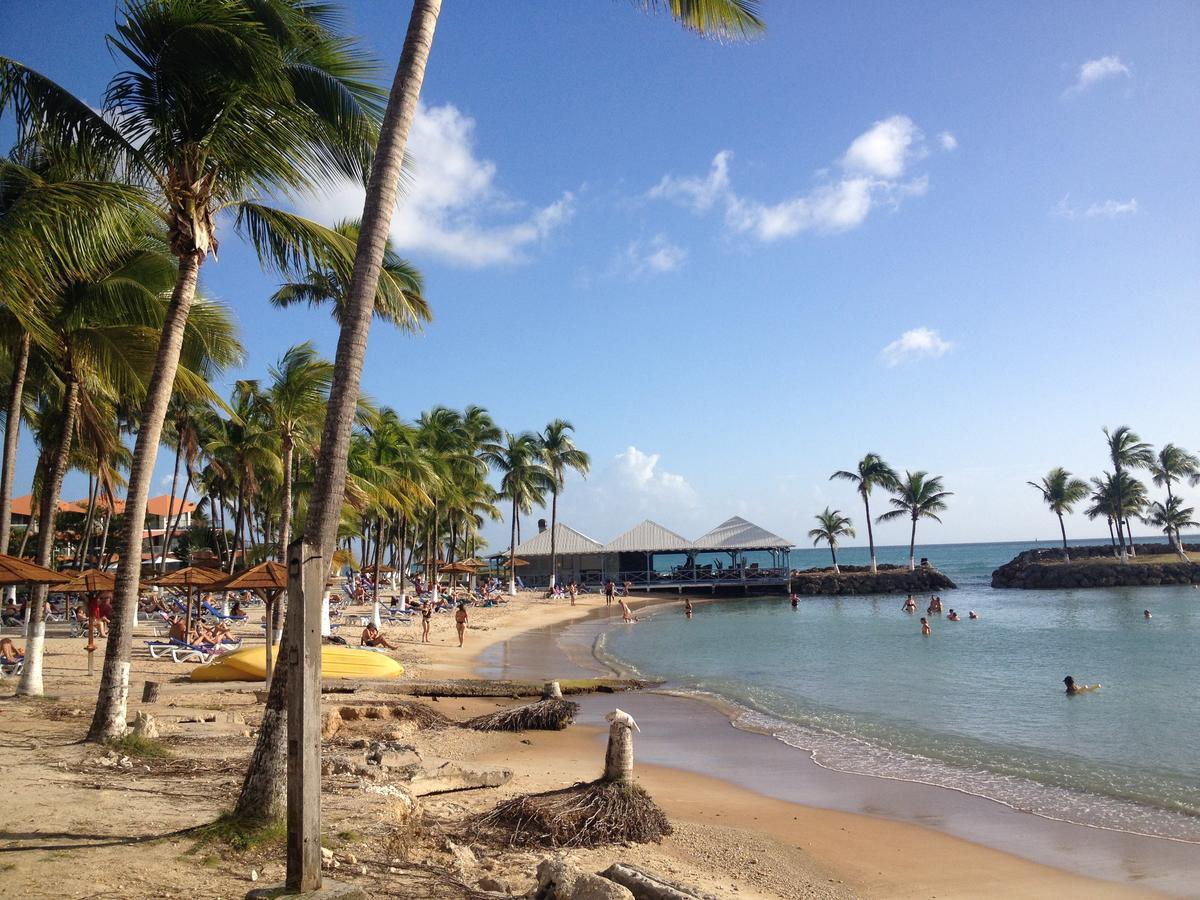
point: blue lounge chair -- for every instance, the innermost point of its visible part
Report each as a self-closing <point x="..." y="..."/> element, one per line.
<point x="218" y="615"/>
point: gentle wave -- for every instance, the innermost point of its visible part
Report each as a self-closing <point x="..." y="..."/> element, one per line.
<point x="852" y="754"/>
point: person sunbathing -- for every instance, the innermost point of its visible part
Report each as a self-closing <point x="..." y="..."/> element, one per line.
<point x="373" y="637"/>
<point x="155" y="605"/>
<point x="178" y="630"/>
<point x="218" y="634"/>
<point x="9" y="650"/>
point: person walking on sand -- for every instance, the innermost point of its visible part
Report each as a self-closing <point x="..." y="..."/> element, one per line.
<point x="460" y="622"/>
<point x="628" y="585"/>
<point x="925" y="629"/>
<point x="573" y="590"/>
<point x="426" y="617"/>
<point x="610" y="589"/>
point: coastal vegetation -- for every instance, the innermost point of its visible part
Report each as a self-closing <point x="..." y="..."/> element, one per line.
<point x="871" y="472"/>
<point x="918" y="495"/>
<point x="832" y="526"/>
<point x="1061" y="491"/>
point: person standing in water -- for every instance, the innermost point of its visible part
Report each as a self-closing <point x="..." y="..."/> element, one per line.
<point x="925" y="629"/>
<point x="910" y="605"/>
<point x="687" y="607"/>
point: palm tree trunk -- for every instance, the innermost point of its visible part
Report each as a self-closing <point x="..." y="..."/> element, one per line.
<point x="12" y="433"/>
<point x="101" y="556"/>
<point x="400" y="565"/>
<point x="512" y="554"/>
<point x="262" y="795"/>
<point x="86" y="538"/>
<point x="112" y="703"/>
<point x="1063" y="529"/>
<point x="1129" y="531"/>
<point x="870" y="534"/>
<point x="553" y="542"/>
<point x="912" y="547"/>
<point x="31" y="676"/>
<point x="173" y="521"/>
<point x="833" y="553"/>
<point x="1120" y="510"/>
<point x="1112" y="537"/>
<point x="161" y="567"/>
<point x="285" y="508"/>
<point x="329" y="485"/>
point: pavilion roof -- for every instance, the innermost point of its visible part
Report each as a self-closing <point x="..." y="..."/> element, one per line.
<point x="738" y="534"/>
<point x="567" y="541"/>
<point x="648" y="537"/>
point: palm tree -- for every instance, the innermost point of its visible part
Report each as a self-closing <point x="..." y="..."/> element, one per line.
<point x="285" y="106"/>
<point x="918" y="496"/>
<point x="559" y="453"/>
<point x="1173" y="463"/>
<point x="294" y="404"/>
<point x="1171" y="517"/>
<point x="718" y="17"/>
<point x="524" y="482"/>
<point x="871" y="472"/>
<point x="1061" y="492"/>
<point x="1127" y="451"/>
<point x="831" y="526"/>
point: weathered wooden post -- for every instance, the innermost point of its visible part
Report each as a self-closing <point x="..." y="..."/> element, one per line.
<point x="551" y="691"/>
<point x="150" y="691"/>
<point x="306" y="585"/>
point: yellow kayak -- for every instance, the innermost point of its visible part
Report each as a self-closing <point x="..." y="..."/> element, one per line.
<point x="250" y="664"/>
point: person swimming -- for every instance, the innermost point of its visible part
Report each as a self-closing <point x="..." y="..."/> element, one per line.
<point x="971" y="614"/>
<point x="953" y="616"/>
<point x="1146" y="613"/>
<point x="925" y="629"/>
<point x="1073" y="688"/>
<point x="795" y="601"/>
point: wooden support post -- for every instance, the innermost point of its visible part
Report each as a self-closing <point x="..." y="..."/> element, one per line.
<point x="306" y="584"/>
<point x="150" y="692"/>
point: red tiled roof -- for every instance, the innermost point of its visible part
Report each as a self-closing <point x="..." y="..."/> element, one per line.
<point x="23" y="506"/>
<point x="161" y="506"/>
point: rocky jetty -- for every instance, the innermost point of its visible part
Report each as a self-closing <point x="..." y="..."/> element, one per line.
<point x="1095" y="567"/>
<point x="889" y="579"/>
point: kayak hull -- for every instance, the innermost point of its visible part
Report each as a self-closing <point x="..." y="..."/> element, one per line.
<point x="250" y="664"/>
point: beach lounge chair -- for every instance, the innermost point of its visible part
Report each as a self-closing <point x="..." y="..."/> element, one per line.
<point x="11" y="666"/>
<point x="218" y="615"/>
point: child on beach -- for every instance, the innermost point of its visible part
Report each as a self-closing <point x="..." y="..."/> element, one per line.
<point x="953" y="616"/>
<point x="573" y="590"/>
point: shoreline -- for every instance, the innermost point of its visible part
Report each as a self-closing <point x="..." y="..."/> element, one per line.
<point x="1033" y="850"/>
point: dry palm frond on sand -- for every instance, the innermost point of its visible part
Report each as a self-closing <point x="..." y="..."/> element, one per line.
<point x="586" y="814"/>
<point x="545" y="715"/>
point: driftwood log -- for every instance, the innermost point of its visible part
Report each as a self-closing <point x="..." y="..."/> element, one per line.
<point x="644" y="885"/>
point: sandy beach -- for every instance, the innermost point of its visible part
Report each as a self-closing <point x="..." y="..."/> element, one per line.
<point x="81" y="825"/>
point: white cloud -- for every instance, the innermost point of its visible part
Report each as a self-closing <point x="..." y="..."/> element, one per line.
<point x="453" y="208"/>
<point x="1109" y="209"/>
<point x="1097" y="70"/>
<point x="653" y="257"/>
<point x="872" y="169"/>
<point x="948" y="141"/>
<point x="631" y="486"/>
<point x="914" y="344"/>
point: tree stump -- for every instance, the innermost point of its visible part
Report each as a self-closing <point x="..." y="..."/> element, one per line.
<point x="150" y="692"/>
<point x="551" y="691"/>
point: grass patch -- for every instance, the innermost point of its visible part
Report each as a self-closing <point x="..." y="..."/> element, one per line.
<point x="241" y="835"/>
<point x="349" y="837"/>
<point x="1158" y="559"/>
<point x="7" y="867"/>
<point x="139" y="745"/>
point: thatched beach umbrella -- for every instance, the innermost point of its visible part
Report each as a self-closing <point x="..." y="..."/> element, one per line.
<point x="90" y="582"/>
<point x="268" y="580"/>
<point x="14" y="570"/>
<point x="188" y="578"/>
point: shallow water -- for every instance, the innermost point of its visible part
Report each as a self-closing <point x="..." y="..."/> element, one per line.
<point x="978" y="706"/>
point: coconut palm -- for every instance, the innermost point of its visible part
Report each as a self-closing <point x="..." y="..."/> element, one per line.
<point x="1126" y="451"/>
<point x="559" y="453"/>
<point x="871" y="472"/>
<point x="1172" y="517"/>
<point x="831" y="526"/>
<point x="917" y="496"/>
<point x="221" y="100"/>
<point x="294" y="403"/>
<point x="524" y="483"/>
<point x="1061" y="491"/>
<point x="1172" y="464"/>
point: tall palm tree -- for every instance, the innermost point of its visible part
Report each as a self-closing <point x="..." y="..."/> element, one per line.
<point x="1061" y="491"/>
<point x="918" y="496"/>
<point x="1171" y="517"/>
<point x="524" y="482"/>
<point x="831" y="527"/>
<point x="1126" y="451"/>
<point x="718" y="17"/>
<point x="294" y="403"/>
<point x="221" y="100"/>
<point x="559" y="453"/>
<point x="1172" y="464"/>
<point x="871" y="472"/>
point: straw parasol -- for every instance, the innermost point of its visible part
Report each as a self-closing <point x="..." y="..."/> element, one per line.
<point x="515" y="562"/>
<point x="457" y="568"/>
<point x="90" y="582"/>
<point x="187" y="578"/>
<point x="268" y="580"/>
<point x="14" y="570"/>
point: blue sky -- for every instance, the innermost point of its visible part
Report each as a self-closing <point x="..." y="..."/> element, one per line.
<point x="961" y="236"/>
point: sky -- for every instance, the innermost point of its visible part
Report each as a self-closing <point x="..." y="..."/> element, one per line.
<point x="962" y="236"/>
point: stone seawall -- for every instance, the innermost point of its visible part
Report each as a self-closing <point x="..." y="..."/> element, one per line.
<point x="859" y="580"/>
<point x="1094" y="567"/>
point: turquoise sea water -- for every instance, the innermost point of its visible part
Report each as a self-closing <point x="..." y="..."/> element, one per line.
<point x="979" y="706"/>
